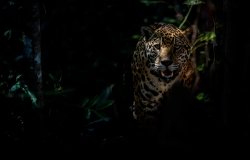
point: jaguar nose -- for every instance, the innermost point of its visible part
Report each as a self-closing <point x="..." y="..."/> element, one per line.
<point x="166" y="62"/>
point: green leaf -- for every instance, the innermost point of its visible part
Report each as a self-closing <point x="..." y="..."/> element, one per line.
<point x="98" y="121"/>
<point x="208" y="36"/>
<point x="32" y="98"/>
<point x="18" y="77"/>
<point x="105" y="105"/>
<point x="201" y="67"/>
<point x="8" y="34"/>
<point x="94" y="101"/>
<point x="100" y="114"/>
<point x="2" y="84"/>
<point x="200" y="96"/>
<point x="97" y="104"/>
<point x="150" y="2"/>
<point x="193" y="2"/>
<point x="11" y="3"/>
<point x="211" y="36"/>
<point x="203" y="39"/>
<point x="136" y="36"/>
<point x="169" y="20"/>
<point x="87" y="114"/>
<point x="59" y="92"/>
<point x="85" y="102"/>
<point x="15" y="87"/>
<point x="103" y="97"/>
<point x="51" y="77"/>
<point x="29" y="94"/>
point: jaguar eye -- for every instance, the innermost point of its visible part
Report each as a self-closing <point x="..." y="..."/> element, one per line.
<point x="157" y="46"/>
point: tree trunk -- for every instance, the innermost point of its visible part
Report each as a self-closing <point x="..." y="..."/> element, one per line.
<point x="36" y="115"/>
<point x="36" y="38"/>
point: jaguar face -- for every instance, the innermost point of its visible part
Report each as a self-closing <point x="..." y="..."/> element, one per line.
<point x="161" y="60"/>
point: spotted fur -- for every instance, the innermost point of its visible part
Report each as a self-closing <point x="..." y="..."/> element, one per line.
<point x="161" y="59"/>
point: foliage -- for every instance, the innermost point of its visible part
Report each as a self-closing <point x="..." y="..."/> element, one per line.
<point x="202" y="97"/>
<point x="7" y="34"/>
<point x="193" y="2"/>
<point x="201" y="45"/>
<point x="202" y="40"/>
<point x="79" y="60"/>
<point x="151" y="2"/>
<point x="190" y="3"/>
<point x="25" y="89"/>
<point x="95" y="107"/>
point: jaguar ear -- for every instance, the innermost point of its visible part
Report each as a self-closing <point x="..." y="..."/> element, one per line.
<point x="147" y="32"/>
<point x="191" y="33"/>
<point x="188" y="31"/>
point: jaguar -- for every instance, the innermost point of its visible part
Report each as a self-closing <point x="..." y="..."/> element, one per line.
<point x="161" y="59"/>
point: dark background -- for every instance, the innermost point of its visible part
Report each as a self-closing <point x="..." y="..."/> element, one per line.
<point x="86" y="50"/>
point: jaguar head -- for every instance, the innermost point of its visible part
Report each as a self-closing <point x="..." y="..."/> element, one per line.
<point x="159" y="50"/>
